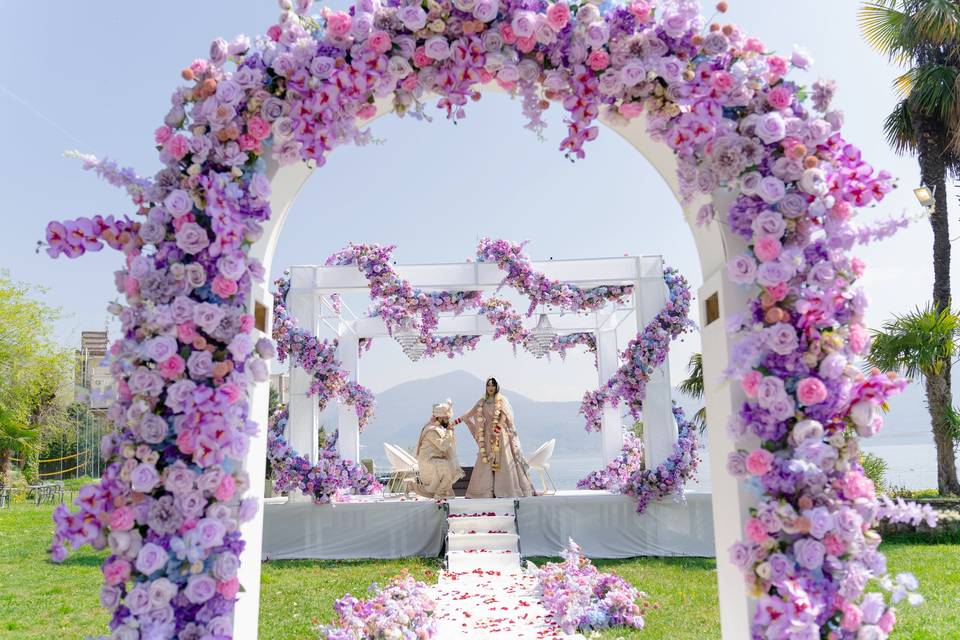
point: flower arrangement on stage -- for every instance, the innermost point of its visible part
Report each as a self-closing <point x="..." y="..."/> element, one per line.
<point x="401" y="609"/>
<point x="329" y="480"/>
<point x="643" y="355"/>
<point x="543" y="290"/>
<point x="734" y="119"/>
<point x="614" y="476"/>
<point x="580" y="598"/>
<point x="318" y="358"/>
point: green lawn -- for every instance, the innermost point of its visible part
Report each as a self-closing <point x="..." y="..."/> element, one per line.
<point x="40" y="600"/>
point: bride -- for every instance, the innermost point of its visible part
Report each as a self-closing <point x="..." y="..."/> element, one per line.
<point x="500" y="469"/>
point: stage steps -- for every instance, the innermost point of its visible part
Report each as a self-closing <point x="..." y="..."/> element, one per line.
<point x="482" y="535"/>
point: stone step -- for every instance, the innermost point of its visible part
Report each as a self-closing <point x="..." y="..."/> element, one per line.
<point x="460" y="561"/>
<point x="482" y="524"/>
<point x="483" y="541"/>
<point x="495" y="506"/>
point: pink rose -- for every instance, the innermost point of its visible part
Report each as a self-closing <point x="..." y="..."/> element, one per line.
<point x="162" y="134"/>
<point x="767" y="248"/>
<point x="558" y="15"/>
<point x="811" y="391"/>
<point x="630" y="110"/>
<point x="258" y="128"/>
<point x="858" y="338"/>
<point x="171" y="367"/>
<point x="229" y="588"/>
<point x="339" y="23"/>
<point x="759" y="462"/>
<point x="598" y="60"/>
<point x="780" y="97"/>
<point x="887" y="621"/>
<point x="756" y="531"/>
<point x="177" y="146"/>
<point x="857" y="485"/>
<point x="835" y="546"/>
<point x="226" y="489"/>
<point x="857" y="266"/>
<point x="852" y="617"/>
<point x="116" y="572"/>
<point x="380" y="41"/>
<point x="121" y="519"/>
<point x="224" y="287"/>
<point x="721" y="81"/>
<point x="751" y="383"/>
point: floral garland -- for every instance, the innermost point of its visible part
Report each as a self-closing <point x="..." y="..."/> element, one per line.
<point x="493" y="459"/>
<point x="670" y="476"/>
<point x="318" y="358"/>
<point x="722" y="103"/>
<point x="402" y="609"/>
<point x="543" y="290"/>
<point x="508" y="324"/>
<point x="580" y="598"/>
<point x="331" y="479"/>
<point x="643" y="355"/>
<point x="615" y="475"/>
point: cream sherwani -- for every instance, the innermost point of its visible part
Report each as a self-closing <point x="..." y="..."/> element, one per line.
<point x="437" y="461"/>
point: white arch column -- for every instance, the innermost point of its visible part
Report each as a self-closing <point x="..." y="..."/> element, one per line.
<point x="348" y="353"/>
<point x="611" y="427"/>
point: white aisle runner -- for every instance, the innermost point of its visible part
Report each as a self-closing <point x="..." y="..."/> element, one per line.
<point x="484" y="592"/>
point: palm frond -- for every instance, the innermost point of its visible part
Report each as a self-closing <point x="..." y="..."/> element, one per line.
<point x="938" y="22"/>
<point x="918" y="343"/>
<point x="693" y="384"/>
<point x="933" y="90"/>
<point x="898" y="129"/>
<point x="885" y="28"/>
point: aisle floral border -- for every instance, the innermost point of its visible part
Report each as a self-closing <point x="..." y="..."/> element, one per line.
<point x="714" y="96"/>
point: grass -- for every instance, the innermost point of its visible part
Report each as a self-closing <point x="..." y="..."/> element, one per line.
<point x="40" y="600"/>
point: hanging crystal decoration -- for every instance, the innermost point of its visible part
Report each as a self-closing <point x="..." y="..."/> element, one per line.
<point x="544" y="335"/>
<point x="408" y="339"/>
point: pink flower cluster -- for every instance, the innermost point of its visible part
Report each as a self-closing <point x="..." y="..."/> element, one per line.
<point x="580" y="598"/>
<point x="331" y="479"/>
<point x="401" y="609"/>
<point x="617" y="473"/>
<point x="539" y="288"/>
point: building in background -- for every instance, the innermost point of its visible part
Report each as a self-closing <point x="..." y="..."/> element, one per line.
<point x="95" y="387"/>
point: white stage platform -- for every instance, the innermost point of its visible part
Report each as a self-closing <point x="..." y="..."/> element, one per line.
<point x="605" y="525"/>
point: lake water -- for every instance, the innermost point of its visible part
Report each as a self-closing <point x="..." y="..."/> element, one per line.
<point x="910" y="465"/>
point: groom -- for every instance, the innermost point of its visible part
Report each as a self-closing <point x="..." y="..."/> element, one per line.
<point x="437" y="455"/>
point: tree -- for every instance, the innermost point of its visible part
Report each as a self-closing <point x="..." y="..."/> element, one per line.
<point x="693" y="387"/>
<point x="923" y="343"/>
<point x="32" y="372"/>
<point x="923" y="36"/>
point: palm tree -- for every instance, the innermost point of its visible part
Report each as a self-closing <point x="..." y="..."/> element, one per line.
<point x="923" y="343"/>
<point x="924" y="37"/>
<point x="693" y="387"/>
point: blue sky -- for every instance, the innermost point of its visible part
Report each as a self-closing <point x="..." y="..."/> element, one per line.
<point x="97" y="77"/>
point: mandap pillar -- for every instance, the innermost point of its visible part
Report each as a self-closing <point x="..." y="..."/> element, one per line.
<point x="611" y="427"/>
<point x="348" y="353"/>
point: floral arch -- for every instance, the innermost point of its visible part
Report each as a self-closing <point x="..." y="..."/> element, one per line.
<point x="768" y="185"/>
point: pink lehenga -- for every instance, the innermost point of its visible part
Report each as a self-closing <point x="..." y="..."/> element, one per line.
<point x="500" y="469"/>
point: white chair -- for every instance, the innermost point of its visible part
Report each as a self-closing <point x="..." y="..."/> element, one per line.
<point x="540" y="462"/>
<point x="403" y="467"/>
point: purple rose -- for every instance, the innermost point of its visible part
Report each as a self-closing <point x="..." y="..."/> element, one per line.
<point x="258" y="370"/>
<point x="771" y="127"/>
<point x="152" y="232"/>
<point x="769" y="223"/>
<point x="181" y="309"/>
<point x="161" y="592"/>
<point x="872" y="607"/>
<point x="437" y="48"/>
<point x="153" y="429"/>
<point x="769" y="390"/>
<point x="821" y="521"/>
<point x="771" y="189"/>
<point x="782" y="338"/>
<point x="178" y="202"/>
<point x="770" y="274"/>
<point x="145" y="381"/>
<point x="160" y="348"/>
<point x="781" y="567"/>
<point x="740" y="555"/>
<point x="225" y="566"/>
<point x="248" y="509"/>
<point x="144" y="478"/>
<point x="486" y="10"/>
<point x="221" y="627"/>
<point x="241" y="346"/>
<point x="792" y="205"/>
<point x="218" y="51"/>
<point x="524" y="23"/>
<point x="109" y="597"/>
<point x="177" y="478"/>
<point x="200" y="364"/>
<point x="848" y="523"/>
<point x="200" y="588"/>
<point x="232" y="266"/>
<point x="192" y="238"/>
<point x="179" y="395"/>
<point x="207" y="316"/>
<point x="782" y="408"/>
<point x="737" y="464"/>
<point x="742" y="269"/>
<point x="137" y="600"/>
<point x="361" y="25"/>
<point x="266" y="349"/>
<point x="597" y="34"/>
<point x="809" y="553"/>
<point x="413" y="17"/>
<point x="190" y="503"/>
<point x="152" y="557"/>
<point x="208" y="533"/>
